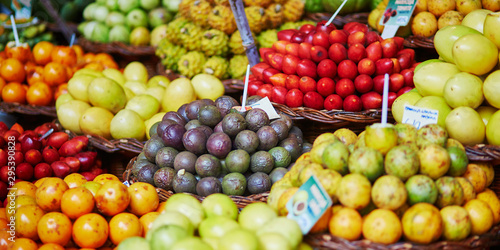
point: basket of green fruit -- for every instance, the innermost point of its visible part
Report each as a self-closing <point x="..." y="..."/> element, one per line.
<point x="30" y="32"/>
<point x="210" y="147"/>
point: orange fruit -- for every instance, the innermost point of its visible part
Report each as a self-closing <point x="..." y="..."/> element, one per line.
<point x="382" y="226"/>
<point x="4" y="239"/>
<point x="109" y="64"/>
<point x="51" y="246"/>
<point x="64" y="55"/>
<point x="19" y="201"/>
<point x="29" y="66"/>
<point x="147" y="221"/>
<point x="323" y="222"/>
<point x="143" y="198"/>
<point x="100" y="57"/>
<point x="54" y="227"/>
<point x="23" y="244"/>
<point x="26" y="219"/>
<point x="2" y="83"/>
<point x="39" y="94"/>
<point x="49" y="194"/>
<point x="21" y="53"/>
<point x="42" y="52"/>
<point x="54" y="74"/>
<point x="2" y="213"/>
<point x="122" y="226"/>
<point x="14" y="92"/>
<point x="78" y="50"/>
<point x="76" y="202"/>
<point x="90" y="230"/>
<point x="346" y="223"/>
<point x="3" y="224"/>
<point x="94" y="65"/>
<point x="12" y="70"/>
<point x="88" y="57"/>
<point x="102" y="178"/>
<point x="161" y="207"/>
<point x="112" y="198"/>
<point x="69" y="72"/>
<point x="61" y="89"/>
<point x="75" y="180"/>
<point x="22" y="187"/>
<point x="34" y="75"/>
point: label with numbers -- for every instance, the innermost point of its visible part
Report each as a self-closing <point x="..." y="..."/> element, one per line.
<point x="419" y="117"/>
<point x="308" y="204"/>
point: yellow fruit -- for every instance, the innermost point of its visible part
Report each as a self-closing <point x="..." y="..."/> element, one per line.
<point x="481" y="216"/>
<point x="382" y="226"/>
<point x="491" y="198"/>
<point x="422" y="223"/>
<point x="346" y="223"/>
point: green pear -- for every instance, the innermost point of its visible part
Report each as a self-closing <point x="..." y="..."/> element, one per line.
<point x="96" y="121"/>
<point x="179" y="92"/>
<point x="69" y="115"/>
<point x="106" y="93"/>
<point x="127" y="124"/>
<point x="78" y="85"/>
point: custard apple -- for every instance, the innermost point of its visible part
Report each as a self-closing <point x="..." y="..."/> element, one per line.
<point x="238" y="66"/>
<point x="191" y="63"/>
<point x="217" y="66"/>
<point x="190" y="36"/>
<point x="214" y="43"/>
<point x="222" y="18"/>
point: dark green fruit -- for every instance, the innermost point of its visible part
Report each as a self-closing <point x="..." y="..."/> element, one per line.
<point x="225" y="103"/>
<point x="219" y="145"/>
<point x="146" y="173"/>
<point x="259" y="183"/>
<point x="164" y="178"/>
<point x="233" y="123"/>
<point x="253" y="99"/>
<point x="195" y="141"/>
<point x="256" y="119"/>
<point x="152" y="146"/>
<point x="208" y="185"/>
<point x="209" y="115"/>
<point x="306" y="147"/>
<point x="296" y="133"/>
<point x="268" y="138"/>
<point x="141" y="156"/>
<point x="288" y="121"/>
<point x="185" y="160"/>
<point x="208" y="102"/>
<point x="193" y="108"/>
<point x="208" y="165"/>
<point x="277" y="174"/>
<point x="185" y="182"/>
<point x="238" y="161"/>
<point x="261" y="161"/>
<point x="247" y="140"/>
<point x="458" y="163"/>
<point x="281" y="157"/>
<point x="165" y="157"/>
<point x="192" y="124"/>
<point x="281" y="129"/>
<point x="402" y="161"/>
<point x="234" y="184"/>
<point x="450" y="192"/>
<point x="138" y="164"/>
<point x="293" y="147"/>
<point x="237" y="110"/>
<point x="421" y="188"/>
<point x="153" y="129"/>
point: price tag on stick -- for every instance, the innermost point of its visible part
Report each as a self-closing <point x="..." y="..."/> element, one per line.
<point x="419" y="117"/>
<point x="397" y="13"/>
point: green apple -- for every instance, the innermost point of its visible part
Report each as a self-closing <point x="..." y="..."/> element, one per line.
<point x="486" y="112"/>
<point x="112" y="4"/>
<point x="115" y="18"/>
<point x="492" y="131"/>
<point x="137" y="18"/>
<point x="100" y="13"/>
<point x="431" y="78"/>
<point x="140" y="36"/>
<point x="491" y="89"/>
<point x="144" y="105"/>
<point x="445" y="37"/>
<point x="476" y="54"/>
<point x="436" y="103"/>
<point x="465" y="125"/>
<point x="464" y="89"/>
<point x="149" y="4"/>
<point x="119" y="33"/>
<point x="127" y="124"/>
<point x="126" y="6"/>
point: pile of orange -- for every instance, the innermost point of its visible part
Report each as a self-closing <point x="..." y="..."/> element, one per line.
<point x="39" y="76"/>
<point x="73" y="214"/>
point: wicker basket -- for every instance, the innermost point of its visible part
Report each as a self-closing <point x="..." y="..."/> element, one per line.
<point x="339" y="21"/>
<point x="111" y="146"/>
<point x="231" y="86"/>
<point x="28" y="109"/>
<point x="240" y="201"/>
<point x="419" y="42"/>
<point x="116" y="48"/>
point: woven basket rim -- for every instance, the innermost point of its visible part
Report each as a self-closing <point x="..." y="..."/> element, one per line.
<point x="27" y="109"/>
<point x="115" y="48"/>
<point x="240" y="201"/>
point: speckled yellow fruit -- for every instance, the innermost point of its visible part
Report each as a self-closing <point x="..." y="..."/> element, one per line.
<point x="422" y="223"/>
<point x="346" y="223"/>
<point x="481" y="216"/>
<point x="382" y="226"/>
<point x="491" y="198"/>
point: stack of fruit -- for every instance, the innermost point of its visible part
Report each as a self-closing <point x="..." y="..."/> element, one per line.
<point x="39" y="76"/>
<point x="209" y="147"/>
<point x="321" y="67"/>
<point x="135" y="22"/>
<point x="68" y="10"/>
<point x="394" y="180"/>
<point x="464" y="86"/>
<point x="36" y="157"/>
<point x="205" y="37"/>
<point x="112" y="104"/>
<point x="74" y="213"/>
<point x="30" y="35"/>
<point x="218" y="226"/>
<point x="430" y="16"/>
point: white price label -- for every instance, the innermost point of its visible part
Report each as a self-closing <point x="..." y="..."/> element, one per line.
<point x="267" y="106"/>
<point x="419" y="117"/>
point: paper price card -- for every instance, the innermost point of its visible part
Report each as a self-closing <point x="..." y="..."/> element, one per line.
<point x="267" y="106"/>
<point x="308" y="204"/>
<point x="398" y="12"/>
<point x="419" y="117"/>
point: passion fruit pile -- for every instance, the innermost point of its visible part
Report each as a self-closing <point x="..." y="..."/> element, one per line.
<point x="211" y="147"/>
